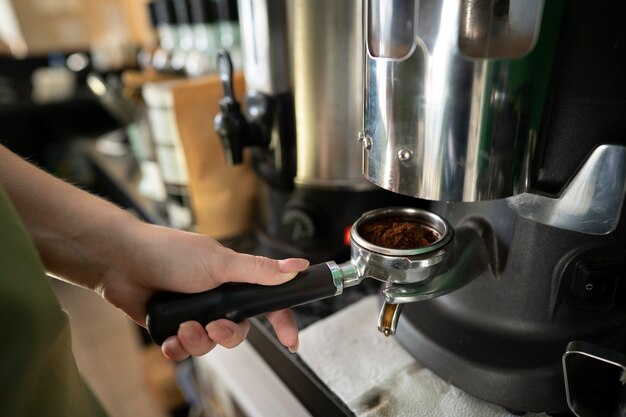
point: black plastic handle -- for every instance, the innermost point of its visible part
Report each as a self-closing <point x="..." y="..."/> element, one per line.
<point x="225" y="70"/>
<point x="236" y="302"/>
<point x="229" y="122"/>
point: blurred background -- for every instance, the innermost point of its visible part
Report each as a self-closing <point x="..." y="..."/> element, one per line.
<point x="88" y="91"/>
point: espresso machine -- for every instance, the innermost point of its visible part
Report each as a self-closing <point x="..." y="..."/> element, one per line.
<point x="501" y="123"/>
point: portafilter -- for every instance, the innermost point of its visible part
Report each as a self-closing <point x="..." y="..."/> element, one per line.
<point x="408" y="249"/>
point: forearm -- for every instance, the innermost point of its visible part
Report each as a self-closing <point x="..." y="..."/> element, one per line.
<point x="92" y="243"/>
<point x="73" y="230"/>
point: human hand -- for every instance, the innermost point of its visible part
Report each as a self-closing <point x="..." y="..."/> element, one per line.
<point x="88" y="241"/>
<point x="170" y="260"/>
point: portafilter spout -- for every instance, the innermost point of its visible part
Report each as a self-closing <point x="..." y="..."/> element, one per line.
<point x="412" y="251"/>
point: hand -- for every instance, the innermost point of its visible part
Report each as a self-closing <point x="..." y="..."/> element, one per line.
<point x="92" y="243"/>
<point x="163" y="259"/>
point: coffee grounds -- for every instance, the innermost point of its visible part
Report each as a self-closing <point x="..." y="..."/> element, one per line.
<point x="398" y="233"/>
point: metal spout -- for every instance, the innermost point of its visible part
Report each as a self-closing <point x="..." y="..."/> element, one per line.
<point x="388" y="318"/>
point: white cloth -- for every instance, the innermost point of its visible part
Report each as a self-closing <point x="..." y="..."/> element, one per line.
<point x="374" y="376"/>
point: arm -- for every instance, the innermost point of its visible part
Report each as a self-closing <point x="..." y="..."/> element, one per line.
<point x="90" y="242"/>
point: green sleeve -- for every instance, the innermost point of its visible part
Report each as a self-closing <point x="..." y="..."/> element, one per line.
<point x="38" y="374"/>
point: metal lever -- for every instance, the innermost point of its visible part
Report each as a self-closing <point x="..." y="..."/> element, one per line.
<point x="225" y="70"/>
<point x="230" y="124"/>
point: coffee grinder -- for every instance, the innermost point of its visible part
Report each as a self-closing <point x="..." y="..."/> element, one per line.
<point x="505" y="119"/>
<point x="510" y="114"/>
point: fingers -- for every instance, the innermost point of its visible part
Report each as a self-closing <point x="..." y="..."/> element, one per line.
<point x="284" y="324"/>
<point x="226" y="333"/>
<point x="191" y="339"/>
<point x="173" y="349"/>
<point x="194" y="338"/>
<point x="197" y="341"/>
<point x="238" y="267"/>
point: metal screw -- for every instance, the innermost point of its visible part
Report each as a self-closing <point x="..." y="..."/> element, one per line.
<point x="404" y="154"/>
<point x="365" y="140"/>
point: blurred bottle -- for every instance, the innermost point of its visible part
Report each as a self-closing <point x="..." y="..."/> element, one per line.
<point x="169" y="152"/>
<point x="185" y="35"/>
<point x="202" y="59"/>
<point x="167" y="34"/>
<point x="146" y="52"/>
<point x="228" y="28"/>
<point x="141" y="140"/>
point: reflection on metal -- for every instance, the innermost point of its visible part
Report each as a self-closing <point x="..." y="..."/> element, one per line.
<point x="328" y="92"/>
<point x="578" y="349"/>
<point x="402" y="266"/>
<point x="498" y="28"/>
<point x="338" y="276"/>
<point x="112" y="99"/>
<point x="263" y="26"/>
<point x="388" y="318"/>
<point x="464" y="118"/>
<point x="470" y="260"/>
<point x="591" y="203"/>
<point x="454" y="260"/>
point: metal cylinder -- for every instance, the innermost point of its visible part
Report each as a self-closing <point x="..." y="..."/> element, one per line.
<point x="264" y="42"/>
<point x="328" y="91"/>
<point x="439" y="124"/>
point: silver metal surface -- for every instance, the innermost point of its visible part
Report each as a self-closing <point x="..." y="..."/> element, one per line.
<point x="349" y="275"/>
<point x="498" y="29"/>
<point x="402" y="266"/>
<point x="447" y="264"/>
<point x="263" y="26"/>
<point x="427" y="218"/>
<point x="578" y="407"/>
<point x="591" y="203"/>
<point x="469" y="261"/>
<point x="337" y="276"/>
<point x="328" y="92"/>
<point x="463" y="115"/>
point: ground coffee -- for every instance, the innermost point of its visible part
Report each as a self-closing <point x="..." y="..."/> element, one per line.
<point x="398" y="233"/>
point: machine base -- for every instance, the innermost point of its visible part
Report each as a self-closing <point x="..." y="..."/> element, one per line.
<point x="516" y="373"/>
<point x="444" y="347"/>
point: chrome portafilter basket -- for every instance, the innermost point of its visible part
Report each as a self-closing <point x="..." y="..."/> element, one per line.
<point x="416" y="266"/>
<point x="399" y="266"/>
<point x="403" y="269"/>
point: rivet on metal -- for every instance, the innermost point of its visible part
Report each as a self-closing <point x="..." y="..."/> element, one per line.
<point x="404" y="154"/>
<point x="365" y="140"/>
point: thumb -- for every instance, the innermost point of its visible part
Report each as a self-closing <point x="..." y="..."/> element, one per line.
<point x="239" y="267"/>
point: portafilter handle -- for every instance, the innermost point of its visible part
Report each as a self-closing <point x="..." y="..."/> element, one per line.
<point x="239" y="301"/>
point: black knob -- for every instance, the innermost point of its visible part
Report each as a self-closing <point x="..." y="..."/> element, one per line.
<point x="300" y="224"/>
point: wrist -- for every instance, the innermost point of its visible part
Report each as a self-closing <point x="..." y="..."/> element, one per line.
<point x="102" y="248"/>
